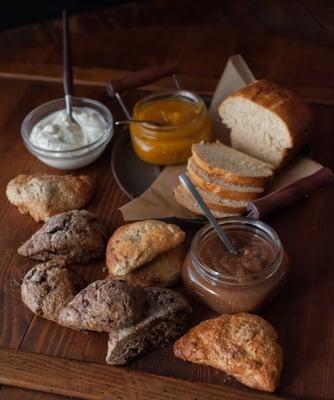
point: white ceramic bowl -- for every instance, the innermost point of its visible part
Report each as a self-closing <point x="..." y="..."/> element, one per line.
<point x="67" y="159"/>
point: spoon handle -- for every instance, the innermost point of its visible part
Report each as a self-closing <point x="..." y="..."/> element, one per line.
<point x="141" y="78"/>
<point x="67" y="58"/>
<point x="186" y="182"/>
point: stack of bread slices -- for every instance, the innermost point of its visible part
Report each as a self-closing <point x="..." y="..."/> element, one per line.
<point x="225" y="178"/>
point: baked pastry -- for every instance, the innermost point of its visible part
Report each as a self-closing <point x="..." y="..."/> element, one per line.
<point x="163" y="271"/>
<point x="267" y="121"/>
<point x="136" y="244"/>
<point x="242" y="345"/>
<point x="73" y="237"/>
<point x="218" y="186"/>
<point x="104" y="305"/>
<point x="231" y="165"/>
<point x="43" y="196"/>
<point x="49" y="287"/>
<point x="165" y="317"/>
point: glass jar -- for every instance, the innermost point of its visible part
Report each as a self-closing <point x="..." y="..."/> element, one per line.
<point x="187" y="122"/>
<point x="226" y="292"/>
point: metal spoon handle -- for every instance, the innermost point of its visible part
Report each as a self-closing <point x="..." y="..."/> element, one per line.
<point x="67" y="66"/>
<point x="186" y="182"/>
<point x="140" y="121"/>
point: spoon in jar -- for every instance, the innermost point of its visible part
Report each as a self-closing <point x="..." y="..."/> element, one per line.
<point x="141" y="121"/>
<point x="187" y="183"/>
<point x="67" y="72"/>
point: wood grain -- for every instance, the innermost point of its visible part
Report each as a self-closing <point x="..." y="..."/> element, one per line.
<point x="101" y="382"/>
<point x="302" y="313"/>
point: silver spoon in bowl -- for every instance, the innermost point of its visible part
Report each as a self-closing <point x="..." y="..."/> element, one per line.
<point x="187" y="183"/>
<point x="67" y="71"/>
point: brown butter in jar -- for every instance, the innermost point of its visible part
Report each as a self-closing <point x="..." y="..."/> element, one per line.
<point x="228" y="283"/>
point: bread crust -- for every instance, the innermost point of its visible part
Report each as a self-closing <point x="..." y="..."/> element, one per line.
<point x="258" y="181"/>
<point x="221" y="190"/>
<point x="242" y="345"/>
<point x="163" y="271"/>
<point x="43" y="196"/>
<point x="136" y="244"/>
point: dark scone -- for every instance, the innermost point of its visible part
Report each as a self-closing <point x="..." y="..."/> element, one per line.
<point x="49" y="287"/>
<point x="164" y="320"/>
<point x="104" y="305"/>
<point x="73" y="237"/>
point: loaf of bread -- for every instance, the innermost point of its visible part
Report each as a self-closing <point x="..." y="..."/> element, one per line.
<point x="71" y="237"/>
<point x="47" y="288"/>
<point x="165" y="319"/>
<point x="267" y="121"/>
<point x="136" y="244"/>
<point x="43" y="196"/>
<point x="242" y="345"/>
<point x="104" y="305"/>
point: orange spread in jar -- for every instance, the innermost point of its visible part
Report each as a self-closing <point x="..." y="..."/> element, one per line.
<point x="185" y="122"/>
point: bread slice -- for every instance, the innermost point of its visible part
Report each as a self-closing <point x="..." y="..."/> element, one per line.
<point x="185" y="199"/>
<point x="218" y="203"/>
<point x="231" y="165"/>
<point x="219" y="186"/>
<point x="267" y="121"/>
<point x="163" y="271"/>
<point x="165" y="320"/>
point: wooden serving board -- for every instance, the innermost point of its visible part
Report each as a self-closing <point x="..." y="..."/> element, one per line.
<point x="40" y="355"/>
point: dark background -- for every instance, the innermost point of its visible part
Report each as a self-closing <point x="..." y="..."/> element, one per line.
<point x="311" y="20"/>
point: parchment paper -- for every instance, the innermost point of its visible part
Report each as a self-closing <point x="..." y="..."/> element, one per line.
<point x="158" y="201"/>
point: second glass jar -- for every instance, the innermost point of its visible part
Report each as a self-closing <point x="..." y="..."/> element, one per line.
<point x="230" y="285"/>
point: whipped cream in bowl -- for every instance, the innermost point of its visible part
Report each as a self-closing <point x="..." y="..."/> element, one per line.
<point x="53" y="138"/>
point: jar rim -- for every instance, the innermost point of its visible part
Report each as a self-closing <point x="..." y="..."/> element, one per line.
<point x="238" y="223"/>
<point x="186" y="94"/>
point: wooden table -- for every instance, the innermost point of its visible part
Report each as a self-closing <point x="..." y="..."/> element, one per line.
<point x="37" y="354"/>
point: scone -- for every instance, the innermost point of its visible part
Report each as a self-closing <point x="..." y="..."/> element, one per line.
<point x="163" y="271"/>
<point x="104" y="305"/>
<point x="165" y="319"/>
<point x="242" y="345"/>
<point x="49" y="287"/>
<point x="43" y="196"/>
<point x="72" y="237"/>
<point x="136" y="244"/>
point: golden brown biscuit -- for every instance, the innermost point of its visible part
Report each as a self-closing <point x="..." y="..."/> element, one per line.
<point x="163" y="271"/>
<point x="136" y="244"/>
<point x="242" y="345"/>
<point x="43" y="196"/>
